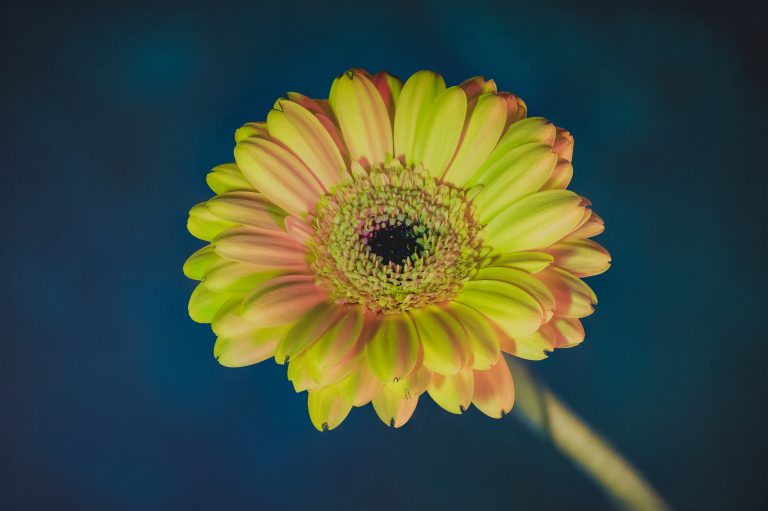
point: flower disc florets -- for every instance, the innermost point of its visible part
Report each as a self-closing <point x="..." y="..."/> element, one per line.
<point x="395" y="239"/>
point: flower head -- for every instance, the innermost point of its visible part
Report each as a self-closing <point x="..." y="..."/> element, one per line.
<point x="396" y="239"/>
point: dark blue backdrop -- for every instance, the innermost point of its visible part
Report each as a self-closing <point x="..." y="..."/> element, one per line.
<point x="111" y="118"/>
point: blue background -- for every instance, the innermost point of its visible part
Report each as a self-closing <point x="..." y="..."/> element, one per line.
<point x="111" y="118"/>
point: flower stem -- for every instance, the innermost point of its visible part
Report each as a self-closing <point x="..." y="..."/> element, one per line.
<point x="546" y="415"/>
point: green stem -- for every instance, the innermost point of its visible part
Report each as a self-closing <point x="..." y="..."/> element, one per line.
<point x="548" y="416"/>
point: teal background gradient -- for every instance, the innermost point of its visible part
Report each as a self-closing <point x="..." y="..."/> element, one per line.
<point x="111" y="398"/>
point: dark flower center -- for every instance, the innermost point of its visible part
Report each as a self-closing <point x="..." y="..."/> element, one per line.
<point x="394" y="243"/>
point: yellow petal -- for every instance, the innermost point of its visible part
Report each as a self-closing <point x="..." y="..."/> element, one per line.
<point x="308" y="139"/>
<point x="530" y="347"/>
<point x="248" y="349"/>
<point x="361" y="386"/>
<point x="483" y="131"/>
<point x="393" y="348"/>
<point x="262" y="248"/>
<point x="444" y="340"/>
<point x="251" y="130"/>
<point x="568" y="332"/>
<point x="536" y="221"/>
<point x="327" y="408"/>
<point x="282" y="300"/>
<point x="389" y="88"/>
<point x="453" y="392"/>
<point x="494" y="390"/>
<point x="198" y="263"/>
<point x="227" y="178"/>
<point x="512" y="309"/>
<point x="524" y="281"/>
<point x="561" y="176"/>
<point x="298" y="229"/>
<point x="338" y="340"/>
<point x="247" y="208"/>
<point x="307" y="330"/>
<point x="533" y="129"/>
<point x="573" y="298"/>
<point x="521" y="172"/>
<point x="481" y="336"/>
<point x="363" y="118"/>
<point x="438" y="132"/>
<point x="237" y="277"/>
<point x="592" y="227"/>
<point x="417" y="94"/>
<point x="532" y="262"/>
<point x="279" y="175"/>
<point x="204" y="303"/>
<point x="392" y="407"/>
<point x="204" y="225"/>
<point x="583" y="258"/>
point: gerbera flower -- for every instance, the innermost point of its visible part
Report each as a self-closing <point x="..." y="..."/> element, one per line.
<point x="393" y="240"/>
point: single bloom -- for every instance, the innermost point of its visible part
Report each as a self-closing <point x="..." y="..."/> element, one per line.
<point x="395" y="239"/>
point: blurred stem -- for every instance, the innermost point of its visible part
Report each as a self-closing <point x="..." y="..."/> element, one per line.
<point x="549" y="417"/>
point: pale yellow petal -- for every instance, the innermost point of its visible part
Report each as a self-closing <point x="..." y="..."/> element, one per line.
<point x="327" y="408"/>
<point x="247" y="349"/>
<point x="361" y="386"/>
<point x="443" y="339"/>
<point x="204" y="225"/>
<point x="262" y="248"/>
<point x="494" y="390"/>
<point x="536" y="221"/>
<point x="532" y="262"/>
<point x="279" y="175"/>
<point x="307" y="330"/>
<point x="417" y="94"/>
<point x="363" y="118"/>
<point x="482" y="338"/>
<point x="204" y="303"/>
<point x="307" y="138"/>
<point x="530" y="347"/>
<point x="438" y="132"/>
<point x="524" y="281"/>
<point x="247" y="208"/>
<point x="521" y="172"/>
<point x="197" y="265"/>
<point x="282" y="300"/>
<point x="592" y="227"/>
<point x="515" y="311"/>
<point x="483" y="131"/>
<point x="392" y="407"/>
<point x="573" y="298"/>
<point x="393" y="348"/>
<point x="582" y="258"/>
<point x="227" y="178"/>
<point x="453" y="392"/>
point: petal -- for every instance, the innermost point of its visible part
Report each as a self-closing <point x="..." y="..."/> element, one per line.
<point x="282" y="300"/>
<point x="478" y="86"/>
<point x="279" y="175"/>
<point x="417" y="94"/>
<point x="298" y="229"/>
<point x="247" y="208"/>
<point x="392" y="407"/>
<point x="307" y="138"/>
<point x="439" y="130"/>
<point x="444" y="340"/>
<point x="481" y="336"/>
<point x="227" y="178"/>
<point x="536" y="221"/>
<point x="327" y="408"/>
<point x="583" y="258"/>
<point x="483" y="131"/>
<point x="494" y="390"/>
<point x="532" y="262"/>
<point x="561" y="176"/>
<point x="204" y="225"/>
<point x="573" y="298"/>
<point x="524" y="281"/>
<point x="249" y="349"/>
<point x="204" y="303"/>
<point x="516" y="108"/>
<point x="568" y="332"/>
<point x="453" y="392"/>
<point x="338" y="340"/>
<point x="262" y="248"/>
<point x="251" y="130"/>
<point x="237" y="277"/>
<point x="521" y="172"/>
<point x="563" y="144"/>
<point x="389" y="88"/>
<point x="198" y="263"/>
<point x="361" y="386"/>
<point x="512" y="309"/>
<point x="307" y="330"/>
<point x="530" y="347"/>
<point x="533" y="129"/>
<point x="592" y="227"/>
<point x="393" y="348"/>
<point x="363" y="118"/>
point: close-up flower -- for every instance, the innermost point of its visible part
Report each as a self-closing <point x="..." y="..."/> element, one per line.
<point x="396" y="239"/>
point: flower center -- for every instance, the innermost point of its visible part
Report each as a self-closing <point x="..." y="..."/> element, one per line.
<point x="394" y="242"/>
<point x="395" y="239"/>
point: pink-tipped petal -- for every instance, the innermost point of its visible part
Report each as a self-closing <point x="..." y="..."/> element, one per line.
<point x="494" y="390"/>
